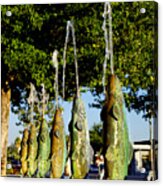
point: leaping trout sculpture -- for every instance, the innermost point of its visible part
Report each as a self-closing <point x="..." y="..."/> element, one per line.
<point x="58" y="146"/>
<point x="33" y="147"/>
<point x="43" y="151"/>
<point x="24" y="152"/>
<point x="79" y="150"/>
<point x="117" y="148"/>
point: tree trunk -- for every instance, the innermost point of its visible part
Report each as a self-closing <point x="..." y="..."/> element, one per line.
<point x="5" y="110"/>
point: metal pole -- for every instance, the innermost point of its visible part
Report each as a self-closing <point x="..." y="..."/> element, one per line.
<point x="152" y="151"/>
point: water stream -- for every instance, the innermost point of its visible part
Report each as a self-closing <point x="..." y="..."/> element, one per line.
<point x="70" y="27"/>
<point x="31" y="100"/>
<point x="107" y="24"/>
<point x="55" y="65"/>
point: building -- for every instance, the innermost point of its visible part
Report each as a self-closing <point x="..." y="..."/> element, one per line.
<point x="145" y="159"/>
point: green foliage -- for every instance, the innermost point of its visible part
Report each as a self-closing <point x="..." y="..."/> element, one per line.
<point x="32" y="33"/>
<point x="96" y="137"/>
<point x="13" y="150"/>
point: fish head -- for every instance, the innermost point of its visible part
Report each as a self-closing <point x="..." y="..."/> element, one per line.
<point x="114" y="85"/>
<point x="33" y="128"/>
<point x="25" y="134"/>
<point x="58" y="115"/>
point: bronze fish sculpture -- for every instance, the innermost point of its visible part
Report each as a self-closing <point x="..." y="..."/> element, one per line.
<point x="32" y="151"/>
<point x="43" y="151"/>
<point x="79" y="137"/>
<point x="58" y="145"/>
<point x="117" y="148"/>
<point x="24" y="153"/>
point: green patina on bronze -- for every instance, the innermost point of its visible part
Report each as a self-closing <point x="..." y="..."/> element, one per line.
<point x="32" y="151"/>
<point x="117" y="148"/>
<point x="43" y="150"/>
<point x="58" y="147"/>
<point x="79" y="152"/>
<point x="24" y="153"/>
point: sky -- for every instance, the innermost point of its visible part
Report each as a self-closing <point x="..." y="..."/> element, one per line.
<point x="137" y="126"/>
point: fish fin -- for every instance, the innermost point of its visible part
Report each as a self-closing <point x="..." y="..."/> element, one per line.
<point x="109" y="153"/>
<point x="74" y="156"/>
<point x="115" y="112"/>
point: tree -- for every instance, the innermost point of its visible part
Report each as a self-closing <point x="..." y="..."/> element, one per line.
<point x="31" y="34"/>
<point x="13" y="151"/>
<point x="96" y="137"/>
